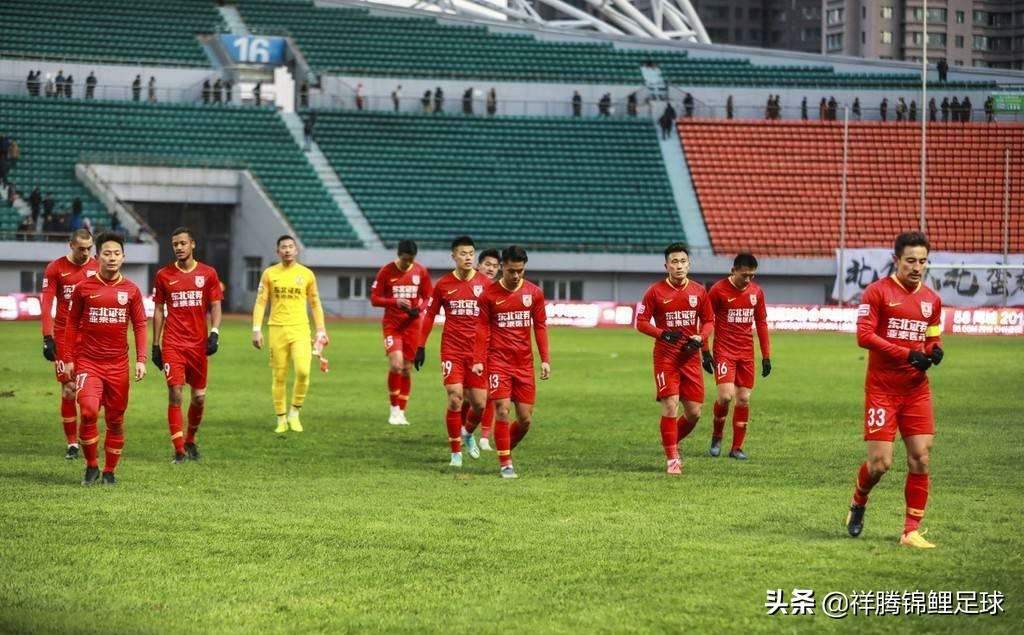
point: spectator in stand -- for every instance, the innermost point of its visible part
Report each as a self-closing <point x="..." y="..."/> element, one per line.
<point x="218" y="86"/>
<point x="990" y="109"/>
<point x="48" y="204"/>
<point x="115" y="224"/>
<point x="58" y="83"/>
<point x="954" y="109"/>
<point x="136" y="88"/>
<point x="604" y="106"/>
<point x="50" y="87"/>
<point x="78" y="220"/>
<point x="856" y="108"/>
<point x="360" y="97"/>
<point x="823" y="110"/>
<point x="492" y="102"/>
<point x="943" y="68"/>
<point x="965" y="110"/>
<point x="49" y="223"/>
<point x="304" y="94"/>
<point x="833" y="108"/>
<point x="228" y="89"/>
<point x="308" y="129"/>
<point x="577" y="104"/>
<point x="913" y="110"/>
<point x="883" y="109"/>
<point x="687" y="105"/>
<point x="803" y="109"/>
<point x="667" y="120"/>
<point x="768" y="107"/>
<point x="206" y="91"/>
<point x="12" y="193"/>
<point x="945" y="109"/>
<point x="427" y="100"/>
<point x="13" y="154"/>
<point x="932" y="110"/>
<point x="631" y="108"/>
<point x="4" y="166"/>
<point x="69" y="86"/>
<point x="728" y="107"/>
<point x="438" y="100"/>
<point x="35" y="202"/>
<point x="26" y="228"/>
<point x="396" y="97"/>
<point x="778" y="107"/>
<point x="152" y="88"/>
<point x="257" y="95"/>
<point x="901" y="110"/>
<point x="467" y="101"/>
<point x="29" y="82"/>
<point x="90" y="85"/>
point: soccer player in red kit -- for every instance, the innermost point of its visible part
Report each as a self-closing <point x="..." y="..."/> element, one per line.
<point x="186" y="289"/>
<point x="59" y="281"/>
<point x="101" y="307"/>
<point x="677" y="313"/>
<point x="738" y="304"/>
<point x="489" y="264"/>
<point x="898" y="321"/>
<point x="508" y="310"/>
<point x="402" y="287"/>
<point x="458" y="293"/>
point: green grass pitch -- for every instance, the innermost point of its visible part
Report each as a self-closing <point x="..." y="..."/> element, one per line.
<point x="357" y="526"/>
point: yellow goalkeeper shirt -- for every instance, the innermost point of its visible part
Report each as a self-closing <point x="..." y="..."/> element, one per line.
<point x="288" y="289"/>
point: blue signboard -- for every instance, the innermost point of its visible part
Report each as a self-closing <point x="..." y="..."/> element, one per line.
<point x="254" y="49"/>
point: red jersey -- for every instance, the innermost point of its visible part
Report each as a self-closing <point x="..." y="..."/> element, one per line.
<point x="59" y="282"/>
<point x="503" y="333"/>
<point x="391" y="284"/>
<point x="666" y="307"/>
<point x="187" y="296"/>
<point x="736" y="311"/>
<point x="460" y="301"/>
<point x="99" y="316"/>
<point x="891" y="322"/>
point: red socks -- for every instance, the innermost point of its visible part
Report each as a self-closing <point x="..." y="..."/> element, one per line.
<point x="69" y="417"/>
<point x="174" y="423"/>
<point x="720" y="411"/>
<point x="864" y="484"/>
<point x="403" y="397"/>
<point x="670" y="437"/>
<point x="740" y="417"/>
<point x="195" y="417"/>
<point x="112" y="446"/>
<point x="516" y="432"/>
<point x="487" y="420"/>
<point x="503" y="442"/>
<point x="915" y="493"/>
<point x="684" y="428"/>
<point x="90" y="438"/>
<point x="395" y="387"/>
<point x="453" y="422"/>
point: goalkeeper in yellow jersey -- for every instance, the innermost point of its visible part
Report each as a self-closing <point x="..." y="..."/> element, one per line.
<point x="288" y="286"/>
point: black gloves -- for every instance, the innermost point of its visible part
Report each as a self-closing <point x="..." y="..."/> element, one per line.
<point x="212" y="343"/>
<point x="708" y="362"/>
<point x="158" y="357"/>
<point x="691" y="345"/>
<point x="49" y="348"/>
<point x="937" y="355"/>
<point x="766" y="367"/>
<point x="414" y="312"/>
<point x="671" y="336"/>
<point x="420" y="358"/>
<point x="919" y="360"/>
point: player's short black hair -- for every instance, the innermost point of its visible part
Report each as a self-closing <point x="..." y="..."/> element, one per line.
<point x="107" y="237"/>
<point x="463" y="241"/>
<point x="514" y="253"/>
<point x="80" y="234"/>
<point x="675" y="248"/>
<point x="282" y="238"/>
<point x="744" y="261"/>
<point x="192" y="237"/>
<point x="910" y="239"/>
<point x="407" y="247"/>
<point x="488" y="253"/>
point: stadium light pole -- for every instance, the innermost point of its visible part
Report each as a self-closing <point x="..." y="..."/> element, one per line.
<point x="924" y="105"/>
<point x="842" y="205"/>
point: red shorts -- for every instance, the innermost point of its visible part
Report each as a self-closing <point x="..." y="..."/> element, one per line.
<point x="58" y="370"/>
<point x="459" y="370"/>
<point x="684" y="380"/>
<point x="729" y="370"/>
<point x="106" y="383"/>
<point x="184" y="366"/>
<point x="405" y="341"/>
<point x="910" y="414"/>
<point x="515" y="383"/>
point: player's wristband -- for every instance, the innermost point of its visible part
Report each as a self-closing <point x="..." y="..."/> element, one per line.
<point x="257" y="329"/>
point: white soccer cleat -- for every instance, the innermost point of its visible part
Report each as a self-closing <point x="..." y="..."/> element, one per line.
<point x="456" y="460"/>
<point x="396" y="418"/>
<point x="470" y="444"/>
<point x="485" y="445"/>
<point x="508" y="472"/>
<point x="402" y="421"/>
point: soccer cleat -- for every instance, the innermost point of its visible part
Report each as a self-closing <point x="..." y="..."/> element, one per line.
<point x="72" y="452"/>
<point x="738" y="454"/>
<point x="179" y="459"/>
<point x="675" y="467"/>
<point x="456" y="460"/>
<point x="470" y="443"/>
<point x="855" y="520"/>
<point x="108" y="479"/>
<point x="916" y="539"/>
<point x="508" y="472"/>
<point x="716" y="446"/>
<point x="485" y="444"/>
<point x="193" y="452"/>
<point x="282" y="424"/>
<point x="402" y="420"/>
<point x="92" y="474"/>
<point x="294" y="423"/>
<point x="396" y="418"/>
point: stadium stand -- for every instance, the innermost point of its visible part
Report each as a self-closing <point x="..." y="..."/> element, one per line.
<point x="554" y="183"/>
<point x="775" y="187"/>
<point x="353" y="41"/>
<point x="55" y="134"/>
<point x="155" y="32"/>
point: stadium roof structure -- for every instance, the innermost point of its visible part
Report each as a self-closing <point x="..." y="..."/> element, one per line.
<point x="671" y="20"/>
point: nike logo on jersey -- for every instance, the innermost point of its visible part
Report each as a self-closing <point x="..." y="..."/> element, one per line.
<point x="501" y="301"/>
<point x="666" y="301"/>
<point x="66" y="273"/>
<point x="895" y="303"/>
<point x="93" y="297"/>
<point x="173" y="282"/>
<point x="452" y="291"/>
<point x="730" y="299"/>
<point x="392" y="279"/>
